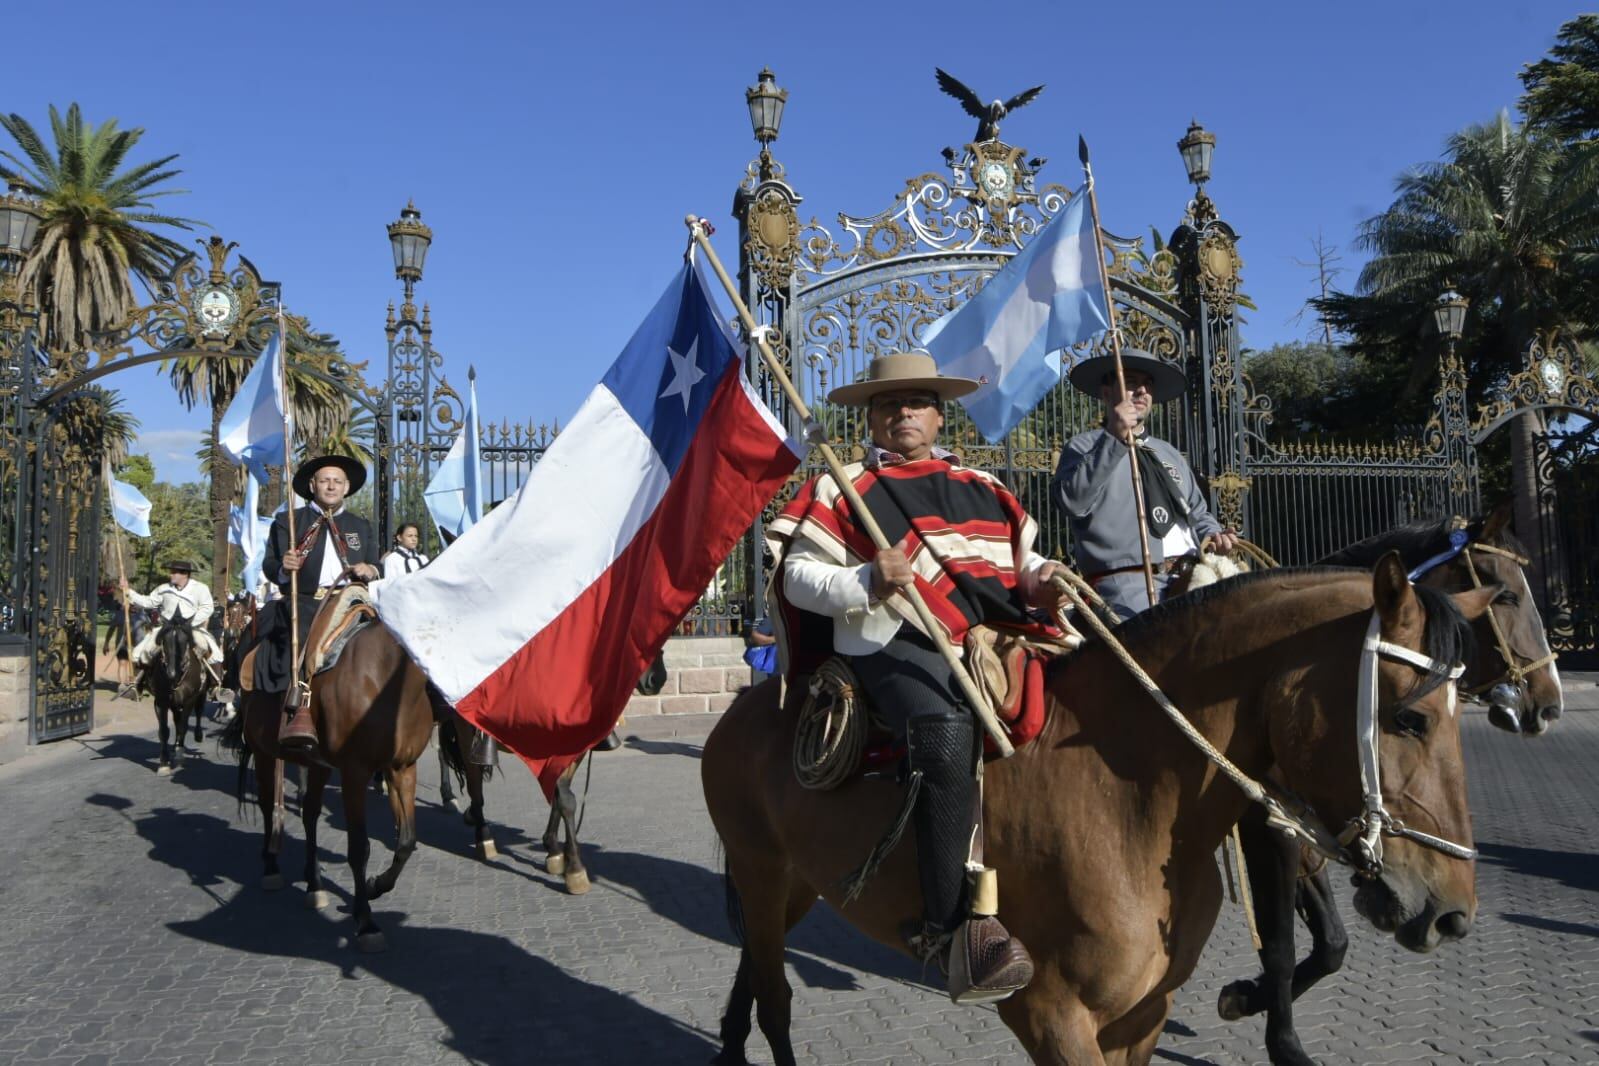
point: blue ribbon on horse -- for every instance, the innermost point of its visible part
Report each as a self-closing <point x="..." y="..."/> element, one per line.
<point x="1457" y="544"/>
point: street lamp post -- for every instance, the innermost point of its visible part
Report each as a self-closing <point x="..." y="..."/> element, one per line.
<point x="413" y="427"/>
<point x="1449" y="316"/>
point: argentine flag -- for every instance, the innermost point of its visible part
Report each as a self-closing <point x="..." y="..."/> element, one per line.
<point x="1011" y="334"/>
<point x="130" y="508"/>
<point x="251" y="432"/>
<point x="454" y="495"/>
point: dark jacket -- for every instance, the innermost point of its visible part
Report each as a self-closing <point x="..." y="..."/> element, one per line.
<point x="360" y="546"/>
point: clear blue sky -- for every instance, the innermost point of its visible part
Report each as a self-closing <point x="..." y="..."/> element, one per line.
<point x="554" y="148"/>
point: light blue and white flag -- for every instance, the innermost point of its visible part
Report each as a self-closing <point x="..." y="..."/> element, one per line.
<point x="455" y="494"/>
<point x="252" y="430"/>
<point x="130" y="508"/>
<point x="1011" y="334"/>
<point x="248" y="530"/>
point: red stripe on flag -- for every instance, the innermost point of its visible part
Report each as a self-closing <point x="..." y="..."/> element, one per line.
<point x="562" y="692"/>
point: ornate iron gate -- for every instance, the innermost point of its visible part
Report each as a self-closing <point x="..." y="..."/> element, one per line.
<point x="838" y="301"/>
<point x="1568" y="486"/>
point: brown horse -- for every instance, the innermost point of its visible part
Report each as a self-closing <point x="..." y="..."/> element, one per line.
<point x="1285" y="884"/>
<point x="1104" y="829"/>
<point x="374" y="711"/>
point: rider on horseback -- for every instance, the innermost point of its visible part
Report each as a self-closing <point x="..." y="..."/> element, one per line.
<point x="331" y="545"/>
<point x="180" y="596"/>
<point x="966" y="542"/>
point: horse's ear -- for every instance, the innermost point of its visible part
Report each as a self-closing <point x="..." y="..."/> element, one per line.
<point x="1474" y="603"/>
<point x="1390" y="588"/>
<point x="1497" y="522"/>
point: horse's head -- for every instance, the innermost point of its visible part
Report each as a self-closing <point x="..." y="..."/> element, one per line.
<point x="1510" y="637"/>
<point x="1385" y="759"/>
<point x="175" y="640"/>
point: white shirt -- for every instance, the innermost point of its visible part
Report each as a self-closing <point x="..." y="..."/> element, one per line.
<point x="400" y="561"/>
<point x="193" y="599"/>
<point x="813" y="582"/>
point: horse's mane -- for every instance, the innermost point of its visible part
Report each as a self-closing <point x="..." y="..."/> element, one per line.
<point x="1447" y="637"/>
<point x="1416" y="543"/>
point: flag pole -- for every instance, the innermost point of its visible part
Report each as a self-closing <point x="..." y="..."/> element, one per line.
<point x="1121" y="376"/>
<point x="122" y="578"/>
<point x="288" y="515"/>
<point x="815" y="435"/>
<point x="227" y="551"/>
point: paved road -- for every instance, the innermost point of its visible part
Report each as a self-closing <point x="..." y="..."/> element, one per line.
<point x="132" y="930"/>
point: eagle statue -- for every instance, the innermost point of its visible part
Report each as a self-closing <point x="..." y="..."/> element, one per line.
<point x="987" y="115"/>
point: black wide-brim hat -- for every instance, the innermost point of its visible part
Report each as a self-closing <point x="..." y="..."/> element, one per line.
<point x="1169" y="381"/>
<point x="181" y="566"/>
<point x="307" y="470"/>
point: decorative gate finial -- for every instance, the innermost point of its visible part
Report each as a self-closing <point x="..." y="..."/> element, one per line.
<point x="987" y="115"/>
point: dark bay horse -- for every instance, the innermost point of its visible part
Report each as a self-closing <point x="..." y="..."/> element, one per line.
<point x="1514" y="666"/>
<point x="1283" y="883"/>
<point x="1105" y="828"/>
<point x="374" y="712"/>
<point x="178" y="682"/>
<point x="457" y="741"/>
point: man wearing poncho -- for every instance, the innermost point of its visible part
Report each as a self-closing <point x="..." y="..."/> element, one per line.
<point x="966" y="543"/>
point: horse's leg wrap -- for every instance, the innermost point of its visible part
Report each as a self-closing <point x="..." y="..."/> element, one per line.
<point x="941" y="750"/>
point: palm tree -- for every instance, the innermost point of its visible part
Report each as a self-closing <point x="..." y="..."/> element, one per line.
<point x="95" y="234"/>
<point x="319" y="409"/>
<point x="1510" y="217"/>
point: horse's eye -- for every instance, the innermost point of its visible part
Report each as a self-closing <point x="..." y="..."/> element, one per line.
<point x="1410" y="722"/>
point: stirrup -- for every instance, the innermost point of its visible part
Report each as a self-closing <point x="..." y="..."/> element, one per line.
<point x="986" y="963"/>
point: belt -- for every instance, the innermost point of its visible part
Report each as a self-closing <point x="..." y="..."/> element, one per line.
<point x="1167" y="566"/>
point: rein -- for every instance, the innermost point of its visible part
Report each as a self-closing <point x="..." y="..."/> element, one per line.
<point x="1375" y="821"/>
<point x="1461" y="545"/>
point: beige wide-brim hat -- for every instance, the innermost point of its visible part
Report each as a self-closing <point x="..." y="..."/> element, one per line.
<point x="899" y="371"/>
<point x="1169" y="382"/>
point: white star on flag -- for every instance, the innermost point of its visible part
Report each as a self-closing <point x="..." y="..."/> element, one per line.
<point x="686" y="373"/>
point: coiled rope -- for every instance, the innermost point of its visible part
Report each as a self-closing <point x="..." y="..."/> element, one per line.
<point x="831" y="734"/>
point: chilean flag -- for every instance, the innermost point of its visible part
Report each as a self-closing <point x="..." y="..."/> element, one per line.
<point x="537" y="622"/>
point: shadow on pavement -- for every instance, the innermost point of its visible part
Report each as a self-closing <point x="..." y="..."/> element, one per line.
<point x="498" y="1003"/>
<point x="1552" y="925"/>
<point x="695" y="899"/>
<point x="1577" y="869"/>
<point x="664" y="747"/>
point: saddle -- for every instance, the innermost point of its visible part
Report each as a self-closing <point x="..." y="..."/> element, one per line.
<point x="342" y="615"/>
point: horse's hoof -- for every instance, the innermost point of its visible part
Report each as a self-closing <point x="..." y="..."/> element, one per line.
<point x="577" y="882"/>
<point x="555" y="864"/>
<point x="318" y="900"/>
<point x="455" y="805"/>
<point x="1232" y="1001"/>
<point x="487" y="850"/>
<point x="371" y="943"/>
<point x="163" y="771"/>
<point x="272" y="882"/>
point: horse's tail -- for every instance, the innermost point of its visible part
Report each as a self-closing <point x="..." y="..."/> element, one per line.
<point x="734" y="905"/>
<point x="450" y="749"/>
<point x="231" y="740"/>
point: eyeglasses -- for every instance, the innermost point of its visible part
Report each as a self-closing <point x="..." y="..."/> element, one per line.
<point x="893" y="402"/>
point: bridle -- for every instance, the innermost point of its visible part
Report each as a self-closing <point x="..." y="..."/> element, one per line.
<point x="1365" y="832"/>
<point x="1460" y="544"/>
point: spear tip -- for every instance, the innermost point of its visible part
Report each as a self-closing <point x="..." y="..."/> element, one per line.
<point x="1082" y="149"/>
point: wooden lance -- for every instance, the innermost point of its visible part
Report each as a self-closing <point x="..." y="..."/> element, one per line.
<point x="815" y="435"/>
<point x="1121" y="376"/>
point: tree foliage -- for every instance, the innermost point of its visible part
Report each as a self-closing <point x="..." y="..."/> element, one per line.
<point x="99" y="226"/>
<point x="1325" y="389"/>
<point x="1562" y="91"/>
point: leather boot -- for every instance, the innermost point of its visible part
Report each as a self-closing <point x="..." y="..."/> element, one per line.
<point x="983" y="961"/>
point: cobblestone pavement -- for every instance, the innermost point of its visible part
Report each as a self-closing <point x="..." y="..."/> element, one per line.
<point x="132" y="930"/>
